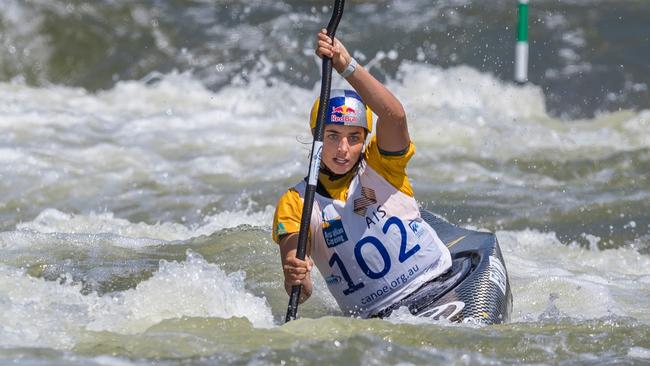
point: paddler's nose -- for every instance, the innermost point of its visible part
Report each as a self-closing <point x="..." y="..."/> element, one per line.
<point x="343" y="145"/>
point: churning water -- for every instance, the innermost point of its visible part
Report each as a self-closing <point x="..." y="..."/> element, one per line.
<point x="144" y="144"/>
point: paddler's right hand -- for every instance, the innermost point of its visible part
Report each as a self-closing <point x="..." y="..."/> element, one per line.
<point x="298" y="272"/>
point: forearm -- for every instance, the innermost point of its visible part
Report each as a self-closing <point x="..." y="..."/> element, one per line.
<point x="296" y="272"/>
<point x="385" y="105"/>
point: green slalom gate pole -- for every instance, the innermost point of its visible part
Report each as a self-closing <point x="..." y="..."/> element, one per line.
<point x="521" y="51"/>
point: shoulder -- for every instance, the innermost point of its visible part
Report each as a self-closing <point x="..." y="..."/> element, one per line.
<point x="290" y="198"/>
<point x="286" y="219"/>
<point x="391" y="165"/>
<point x="393" y="160"/>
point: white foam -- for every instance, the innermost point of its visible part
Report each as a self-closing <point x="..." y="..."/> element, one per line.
<point x="174" y="132"/>
<point x="39" y="313"/>
<point x="540" y="267"/>
<point x="639" y="352"/>
<point x="52" y="221"/>
<point x="188" y="144"/>
<point x="229" y="219"/>
<point x="12" y="242"/>
<point x="55" y="221"/>
<point x="424" y="87"/>
<point x="36" y="313"/>
<point x="193" y="288"/>
<point x="462" y="111"/>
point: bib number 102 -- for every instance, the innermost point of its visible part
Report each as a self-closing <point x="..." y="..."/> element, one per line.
<point x="404" y="254"/>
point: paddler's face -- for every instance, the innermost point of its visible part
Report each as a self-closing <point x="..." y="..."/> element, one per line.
<point x="342" y="147"/>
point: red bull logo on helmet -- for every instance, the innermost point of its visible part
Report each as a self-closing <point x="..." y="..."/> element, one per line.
<point x="343" y="114"/>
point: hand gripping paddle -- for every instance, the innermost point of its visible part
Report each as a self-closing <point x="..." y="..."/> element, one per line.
<point x="316" y="151"/>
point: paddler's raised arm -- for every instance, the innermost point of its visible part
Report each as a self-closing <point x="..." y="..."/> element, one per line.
<point x="392" y="130"/>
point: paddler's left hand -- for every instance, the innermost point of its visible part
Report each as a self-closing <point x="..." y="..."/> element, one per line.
<point x="337" y="52"/>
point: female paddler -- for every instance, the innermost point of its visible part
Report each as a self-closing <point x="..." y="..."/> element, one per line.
<point x="366" y="234"/>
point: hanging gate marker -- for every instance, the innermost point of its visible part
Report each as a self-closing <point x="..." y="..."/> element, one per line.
<point x="521" y="52"/>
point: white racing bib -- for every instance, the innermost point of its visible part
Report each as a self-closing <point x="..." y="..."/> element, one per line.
<point x="374" y="249"/>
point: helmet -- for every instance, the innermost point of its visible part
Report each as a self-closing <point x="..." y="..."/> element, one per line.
<point x="345" y="108"/>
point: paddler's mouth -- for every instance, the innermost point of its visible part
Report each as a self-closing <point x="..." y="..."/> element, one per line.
<point x="339" y="165"/>
<point x="340" y="161"/>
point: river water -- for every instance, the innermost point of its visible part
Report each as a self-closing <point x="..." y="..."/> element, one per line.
<point x="143" y="145"/>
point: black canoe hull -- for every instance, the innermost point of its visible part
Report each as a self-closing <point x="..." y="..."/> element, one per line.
<point x="476" y="289"/>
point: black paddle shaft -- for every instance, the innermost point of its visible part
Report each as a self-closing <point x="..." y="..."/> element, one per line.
<point x="316" y="151"/>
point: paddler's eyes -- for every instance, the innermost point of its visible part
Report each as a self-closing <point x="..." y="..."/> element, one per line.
<point x="354" y="139"/>
<point x="332" y="136"/>
<point x="336" y="137"/>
